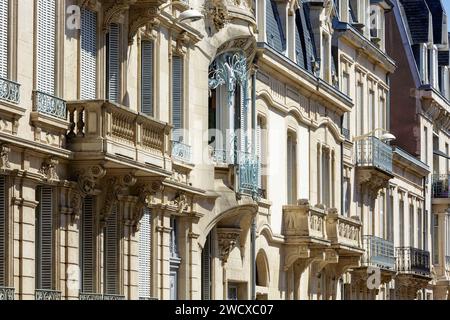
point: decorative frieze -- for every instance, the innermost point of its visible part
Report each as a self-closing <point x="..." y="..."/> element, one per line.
<point x="48" y="169"/>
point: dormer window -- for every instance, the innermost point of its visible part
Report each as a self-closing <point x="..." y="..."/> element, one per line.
<point x="377" y="24"/>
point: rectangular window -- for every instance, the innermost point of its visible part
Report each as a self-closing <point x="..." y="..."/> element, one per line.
<point x="46" y="46"/>
<point x="259" y="149"/>
<point x="346" y="83"/>
<point x="371" y="111"/>
<point x="347" y="196"/>
<point x="88" y="63"/>
<point x="383" y="112"/>
<point x="425" y="230"/>
<point x="326" y="178"/>
<point x="436" y="158"/>
<point x="419" y="228"/>
<point x="206" y="269"/>
<point x="147" y="78"/>
<point x="360" y="107"/>
<point x="446" y="160"/>
<point x="4" y="38"/>
<point x="435" y="239"/>
<point x="291" y="173"/>
<point x="177" y="97"/>
<point x="411" y="226"/>
<point x="87" y="246"/>
<point x="382" y="203"/>
<point x="3" y="229"/>
<point x="390" y="219"/>
<point x="145" y="255"/>
<point x="401" y="214"/>
<point x="425" y="144"/>
<point x="113" y="63"/>
<point x="173" y="238"/>
<point x="111" y="253"/>
<point x="44" y="238"/>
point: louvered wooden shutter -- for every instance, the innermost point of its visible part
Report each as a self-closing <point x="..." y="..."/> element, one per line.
<point x="111" y="253"/>
<point x="88" y="63"/>
<point x="145" y="249"/>
<point x="274" y="29"/>
<point x="87" y="241"/>
<point x="206" y="270"/>
<point x="3" y="224"/>
<point x="147" y="78"/>
<point x="177" y="96"/>
<point x="45" y="238"/>
<point x="46" y="46"/>
<point x="113" y="61"/>
<point x="4" y="21"/>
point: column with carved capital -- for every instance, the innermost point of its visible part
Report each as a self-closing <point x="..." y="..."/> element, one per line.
<point x="130" y="249"/>
<point x="163" y="253"/>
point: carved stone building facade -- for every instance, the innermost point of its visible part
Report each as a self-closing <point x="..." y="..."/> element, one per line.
<point x="153" y="155"/>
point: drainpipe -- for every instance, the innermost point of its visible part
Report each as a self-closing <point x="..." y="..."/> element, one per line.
<point x="253" y="231"/>
<point x="253" y="257"/>
<point x="342" y="170"/>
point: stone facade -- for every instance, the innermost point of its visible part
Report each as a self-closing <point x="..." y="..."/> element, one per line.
<point x="244" y="155"/>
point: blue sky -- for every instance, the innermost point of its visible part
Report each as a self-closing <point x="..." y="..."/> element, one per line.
<point x="447" y="9"/>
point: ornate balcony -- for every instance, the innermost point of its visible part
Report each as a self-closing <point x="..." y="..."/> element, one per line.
<point x="6" y="293"/>
<point x="305" y="231"/>
<point x="9" y="91"/>
<point x="91" y="296"/>
<point x="181" y="152"/>
<point x="372" y="152"/>
<point x="304" y="222"/>
<point x="413" y="261"/>
<point x="113" y="297"/>
<point x="47" y="295"/>
<point x="344" y="233"/>
<point x="248" y="174"/>
<point x="49" y="105"/>
<point x="118" y="134"/>
<point x="374" y="163"/>
<point x="441" y="186"/>
<point x="379" y="253"/>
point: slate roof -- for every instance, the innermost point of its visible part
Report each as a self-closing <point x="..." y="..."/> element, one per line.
<point x="418" y="18"/>
<point x="437" y="12"/>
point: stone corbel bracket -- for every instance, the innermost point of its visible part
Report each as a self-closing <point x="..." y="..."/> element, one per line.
<point x="228" y="239"/>
<point x="89" y="178"/>
<point x="114" y="189"/>
<point x="4" y="157"/>
<point x="143" y="17"/>
<point x="48" y="169"/>
<point x="146" y="194"/>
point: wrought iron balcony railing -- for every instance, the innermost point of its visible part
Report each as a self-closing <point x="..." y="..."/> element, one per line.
<point x="412" y="260"/>
<point x="372" y="152"/>
<point x="49" y="105"/>
<point x="90" y="296"/>
<point x="181" y="151"/>
<point x="113" y="297"/>
<point x="6" y="293"/>
<point x="222" y="157"/>
<point x="441" y="186"/>
<point x="379" y="252"/>
<point x="41" y="294"/>
<point x="9" y="91"/>
<point x="249" y="169"/>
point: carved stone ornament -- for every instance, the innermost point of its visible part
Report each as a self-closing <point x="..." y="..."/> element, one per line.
<point x="181" y="201"/>
<point x="146" y="195"/>
<point x="217" y="13"/>
<point x="115" y="13"/>
<point x="48" y="169"/>
<point x="76" y="203"/>
<point x="143" y="17"/>
<point x="228" y="238"/>
<point x="89" y="178"/>
<point x="4" y="157"/>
